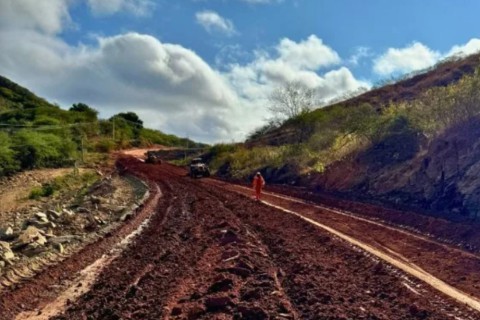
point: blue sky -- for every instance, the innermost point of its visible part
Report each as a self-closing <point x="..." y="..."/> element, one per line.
<point x="205" y="68"/>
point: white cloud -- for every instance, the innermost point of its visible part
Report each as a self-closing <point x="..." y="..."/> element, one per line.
<point x="293" y="62"/>
<point x="133" y="72"/>
<point x="414" y="57"/>
<point x="359" y="54"/>
<point x="309" y="54"/>
<point x="213" y="22"/>
<point x="417" y="56"/>
<point x="44" y="16"/>
<point x="109" y="7"/>
<point x="472" y="46"/>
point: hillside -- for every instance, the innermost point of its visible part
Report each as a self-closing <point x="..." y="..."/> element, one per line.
<point x="409" y="88"/>
<point x="408" y="145"/>
<point x="35" y="133"/>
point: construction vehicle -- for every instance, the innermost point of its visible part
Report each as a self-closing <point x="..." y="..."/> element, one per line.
<point x="198" y="168"/>
<point x="152" y="157"/>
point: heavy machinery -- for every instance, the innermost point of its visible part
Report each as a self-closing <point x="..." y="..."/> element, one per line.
<point x="152" y="157"/>
<point x="198" y="168"/>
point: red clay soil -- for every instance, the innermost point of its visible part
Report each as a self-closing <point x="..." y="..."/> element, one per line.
<point x="454" y="266"/>
<point x="465" y="235"/>
<point x="211" y="253"/>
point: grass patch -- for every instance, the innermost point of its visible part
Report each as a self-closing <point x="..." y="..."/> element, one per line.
<point x="68" y="183"/>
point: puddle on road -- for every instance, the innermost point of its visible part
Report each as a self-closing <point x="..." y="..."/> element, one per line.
<point x="86" y="277"/>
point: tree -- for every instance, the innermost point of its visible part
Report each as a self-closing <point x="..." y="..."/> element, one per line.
<point x="292" y="100"/>
<point x="87" y="112"/>
<point x="132" y="118"/>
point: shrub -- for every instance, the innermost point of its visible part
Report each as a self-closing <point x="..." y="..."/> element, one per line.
<point x="36" y="149"/>
<point x="105" y="145"/>
<point x="8" y="163"/>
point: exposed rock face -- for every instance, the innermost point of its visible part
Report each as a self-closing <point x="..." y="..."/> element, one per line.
<point x="442" y="176"/>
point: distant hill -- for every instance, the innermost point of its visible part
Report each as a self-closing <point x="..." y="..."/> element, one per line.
<point x="13" y="96"/>
<point x="35" y="133"/>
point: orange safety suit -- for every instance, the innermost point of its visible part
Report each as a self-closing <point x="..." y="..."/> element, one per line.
<point x="258" y="183"/>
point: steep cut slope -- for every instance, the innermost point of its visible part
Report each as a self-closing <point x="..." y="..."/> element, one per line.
<point x="442" y="176"/>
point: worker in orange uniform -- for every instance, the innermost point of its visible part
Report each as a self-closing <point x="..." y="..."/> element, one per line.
<point x="258" y="184"/>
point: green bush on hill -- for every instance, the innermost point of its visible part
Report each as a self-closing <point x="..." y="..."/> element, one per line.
<point x="37" y="149"/>
<point x="8" y="163"/>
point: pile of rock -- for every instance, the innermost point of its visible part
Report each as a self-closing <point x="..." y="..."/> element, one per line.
<point x="35" y="236"/>
<point x="50" y="226"/>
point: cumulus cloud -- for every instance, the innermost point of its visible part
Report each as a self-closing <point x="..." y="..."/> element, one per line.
<point x="127" y="72"/>
<point x="471" y="47"/>
<point x="293" y="62"/>
<point x="413" y="57"/>
<point x="108" y="7"/>
<point x="44" y="16"/>
<point x="168" y="85"/>
<point x="418" y="56"/>
<point x="213" y="22"/>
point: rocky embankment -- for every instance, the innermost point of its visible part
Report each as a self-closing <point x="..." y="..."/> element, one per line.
<point x="50" y="230"/>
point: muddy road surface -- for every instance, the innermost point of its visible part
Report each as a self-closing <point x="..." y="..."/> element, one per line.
<point x="203" y="249"/>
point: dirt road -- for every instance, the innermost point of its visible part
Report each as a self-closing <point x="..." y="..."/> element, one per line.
<point x="210" y="252"/>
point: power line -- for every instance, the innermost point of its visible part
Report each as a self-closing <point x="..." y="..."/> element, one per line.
<point x="43" y="127"/>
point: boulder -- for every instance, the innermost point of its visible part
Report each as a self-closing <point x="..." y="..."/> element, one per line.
<point x="95" y="200"/>
<point x="68" y="213"/>
<point x="64" y="239"/>
<point x="41" y="216"/>
<point x="42" y="224"/>
<point x="83" y="210"/>
<point x="217" y="303"/>
<point x="59" y="247"/>
<point x="32" y="249"/>
<point x="253" y="313"/>
<point x="31" y="235"/>
<point x="54" y="215"/>
<point x="6" y="253"/>
<point x="126" y="216"/>
<point x="228" y="236"/>
<point x="7" y="234"/>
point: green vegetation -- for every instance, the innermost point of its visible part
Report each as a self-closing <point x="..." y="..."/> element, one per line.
<point x="37" y="134"/>
<point x="323" y="136"/>
<point x="63" y="184"/>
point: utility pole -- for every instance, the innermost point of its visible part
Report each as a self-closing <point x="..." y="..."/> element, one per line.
<point x="113" y="128"/>
<point x="186" y="149"/>
<point x="83" y="152"/>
